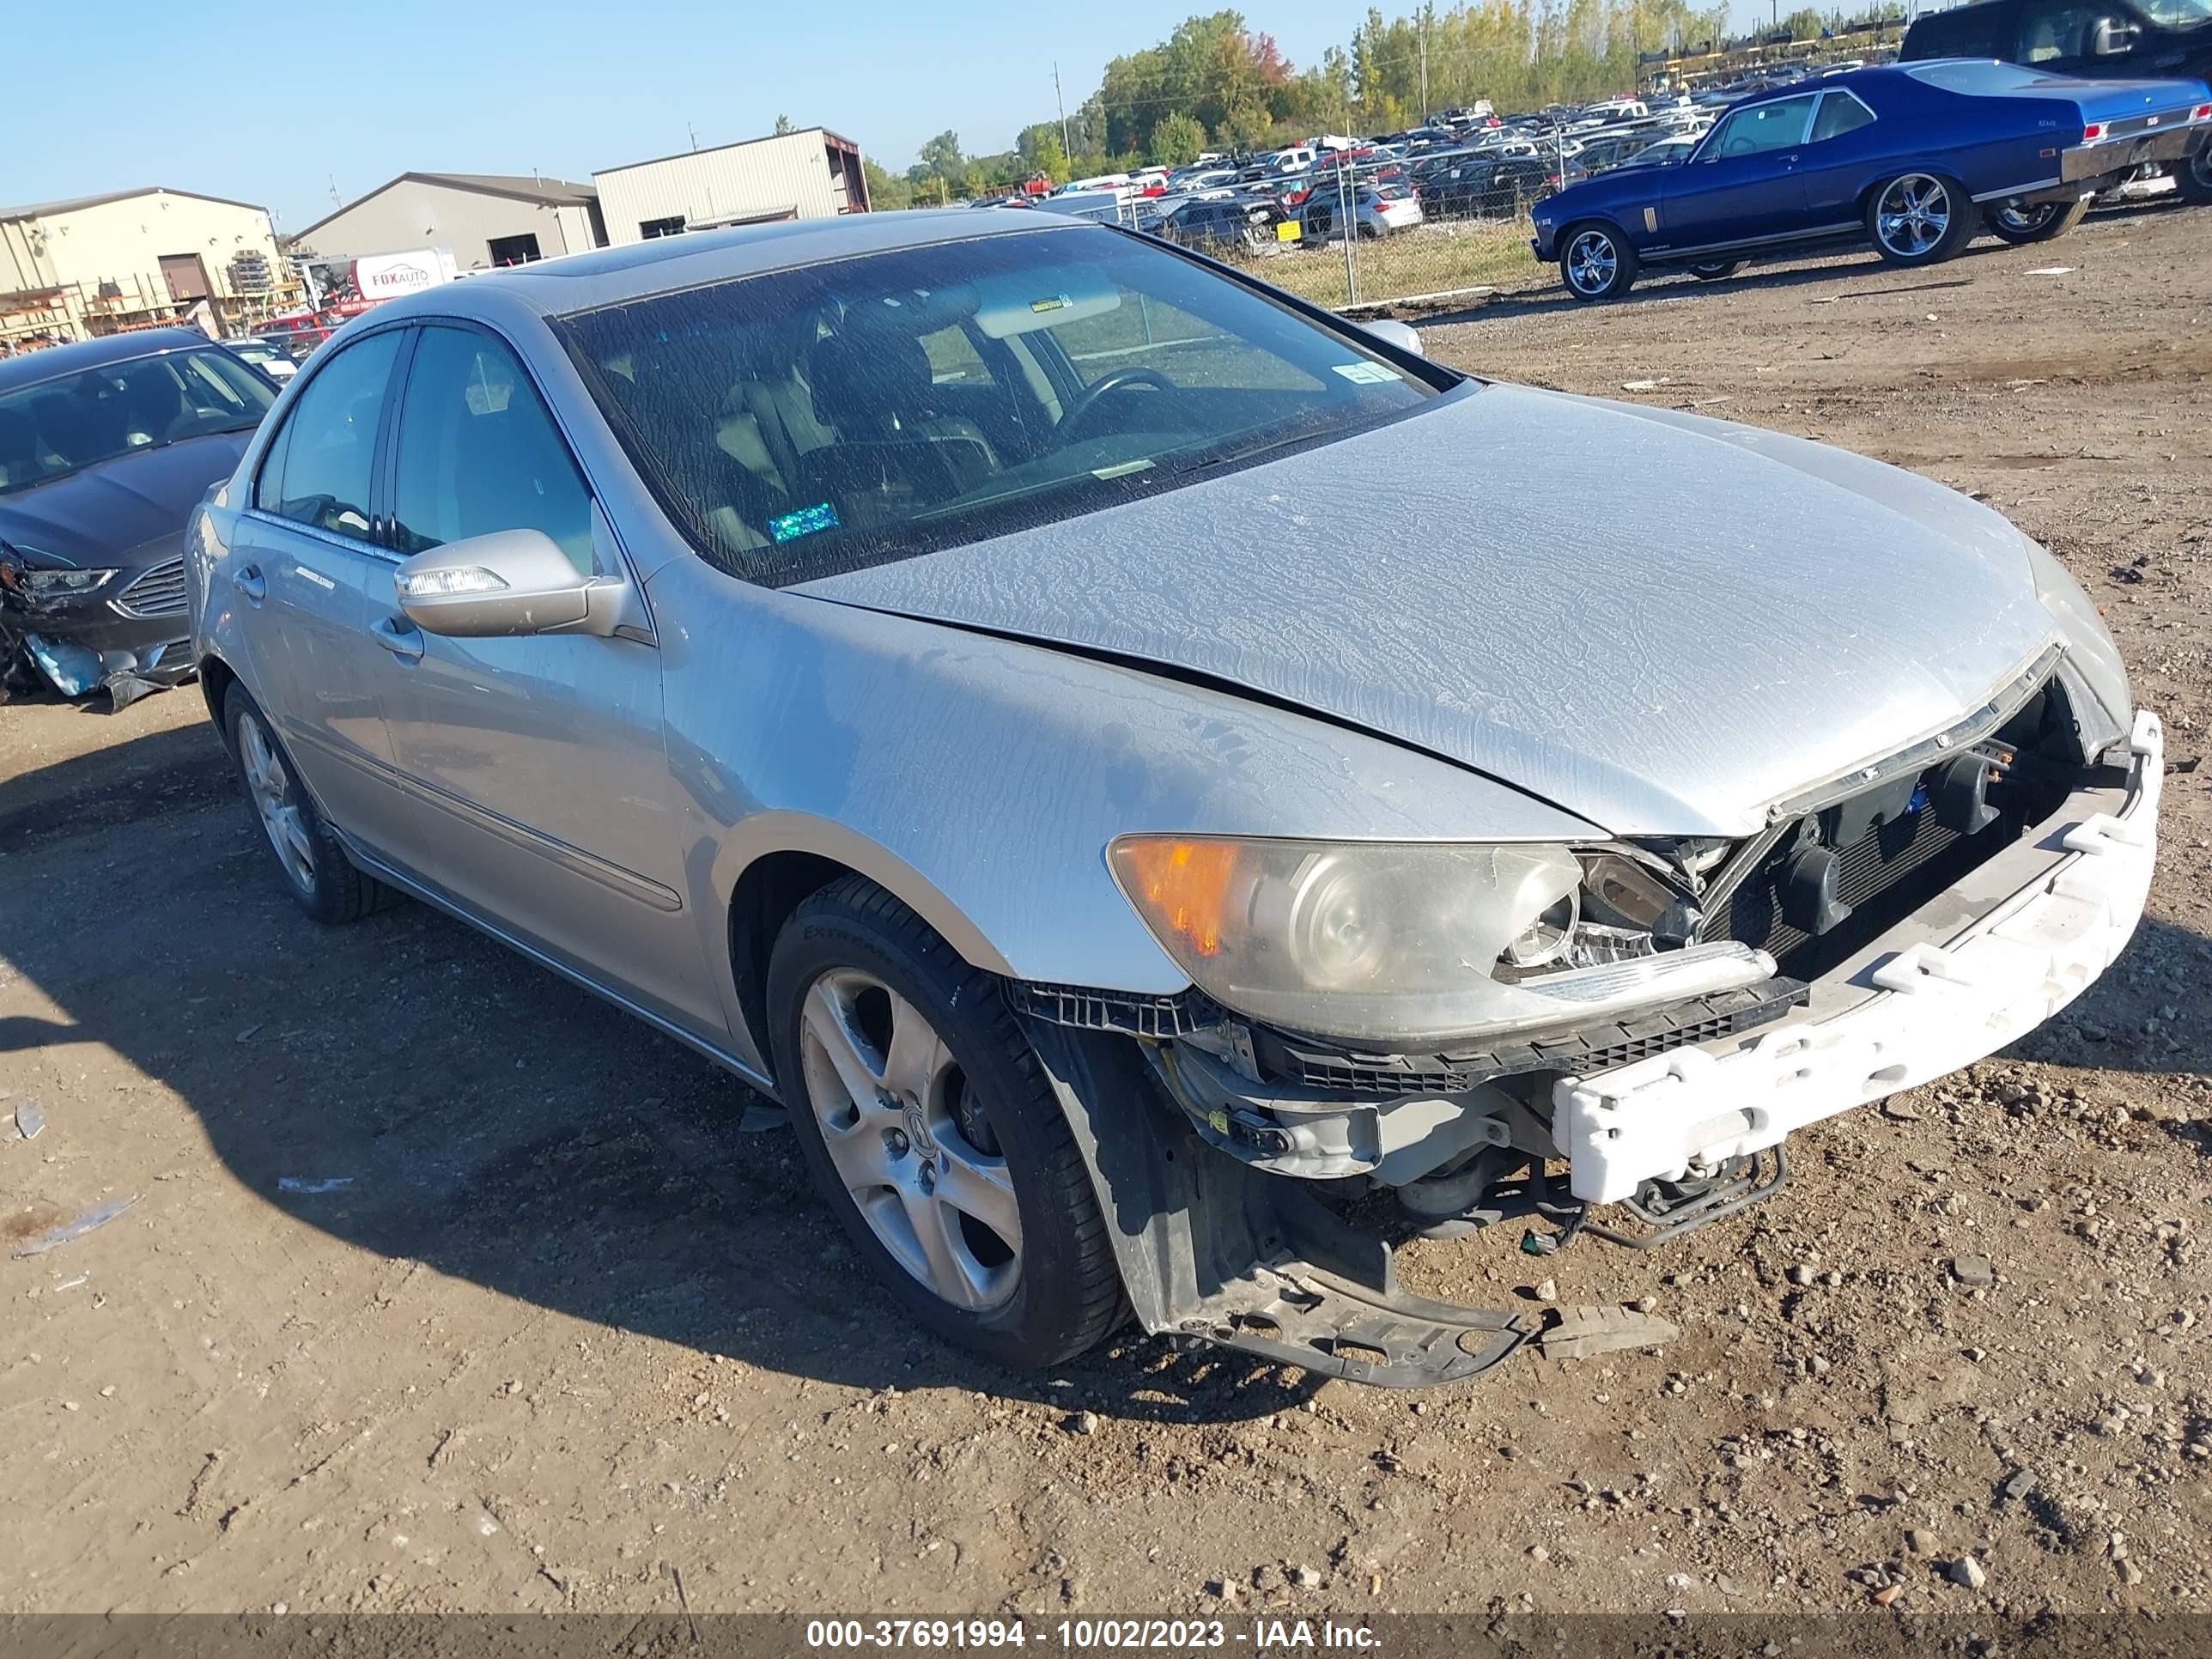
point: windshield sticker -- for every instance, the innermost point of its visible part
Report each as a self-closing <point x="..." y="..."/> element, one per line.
<point x="1051" y="302"/>
<point x="1367" y="373"/>
<point x="805" y="522"/>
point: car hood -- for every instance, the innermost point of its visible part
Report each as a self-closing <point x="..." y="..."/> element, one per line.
<point x="1661" y="623"/>
<point x="135" y="504"/>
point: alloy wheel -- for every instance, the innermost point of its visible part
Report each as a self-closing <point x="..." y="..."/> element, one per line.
<point x="1913" y="214"/>
<point x="2022" y="220"/>
<point x="276" y="803"/>
<point x="909" y="1140"/>
<point x="1591" y="262"/>
<point x="2200" y="164"/>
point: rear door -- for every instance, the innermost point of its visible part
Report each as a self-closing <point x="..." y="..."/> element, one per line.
<point x="536" y="778"/>
<point x="1743" y="185"/>
<point x="304" y="562"/>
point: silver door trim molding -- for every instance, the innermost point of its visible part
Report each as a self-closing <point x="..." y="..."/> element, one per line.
<point x="615" y="876"/>
<point x="2015" y="190"/>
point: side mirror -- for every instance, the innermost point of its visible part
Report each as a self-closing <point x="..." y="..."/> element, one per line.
<point x="2111" y="38"/>
<point x="1400" y="335"/>
<point x="509" y="582"/>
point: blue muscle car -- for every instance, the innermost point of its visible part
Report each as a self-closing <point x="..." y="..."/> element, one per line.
<point x="1910" y="158"/>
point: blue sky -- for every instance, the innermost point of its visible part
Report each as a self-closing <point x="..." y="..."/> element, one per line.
<point x="181" y="98"/>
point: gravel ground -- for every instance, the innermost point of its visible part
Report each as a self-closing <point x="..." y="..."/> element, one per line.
<point x="447" y="1288"/>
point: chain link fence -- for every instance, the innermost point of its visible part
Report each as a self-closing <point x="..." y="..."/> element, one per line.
<point x="1369" y="235"/>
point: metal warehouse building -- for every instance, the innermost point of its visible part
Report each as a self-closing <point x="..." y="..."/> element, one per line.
<point x="808" y="174"/>
<point x="484" y="219"/>
<point x="98" y="265"/>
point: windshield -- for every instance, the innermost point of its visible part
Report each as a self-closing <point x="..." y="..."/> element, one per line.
<point x="2177" y="14"/>
<point x="53" y="427"/>
<point x="807" y="422"/>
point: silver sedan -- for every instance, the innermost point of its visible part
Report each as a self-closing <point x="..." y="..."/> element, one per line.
<point x="1173" y="792"/>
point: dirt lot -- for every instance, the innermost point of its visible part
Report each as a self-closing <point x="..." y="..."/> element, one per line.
<point x="447" y="1288"/>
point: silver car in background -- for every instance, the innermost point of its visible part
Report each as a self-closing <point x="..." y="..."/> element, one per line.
<point x="1175" y="792"/>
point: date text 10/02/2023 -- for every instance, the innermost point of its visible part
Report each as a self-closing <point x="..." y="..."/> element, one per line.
<point x="1089" y="1635"/>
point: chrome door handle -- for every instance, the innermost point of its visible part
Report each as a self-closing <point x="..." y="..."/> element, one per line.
<point x="400" y="637"/>
<point x="250" y="582"/>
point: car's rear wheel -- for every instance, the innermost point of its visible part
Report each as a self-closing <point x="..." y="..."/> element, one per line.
<point x="1596" y="263"/>
<point x="2194" y="176"/>
<point x="317" y="872"/>
<point x="934" y="1132"/>
<point x="1713" y="270"/>
<point x="2021" y="222"/>
<point x="1919" y="218"/>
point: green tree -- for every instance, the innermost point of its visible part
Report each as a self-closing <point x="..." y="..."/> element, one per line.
<point x="1041" y="152"/>
<point x="1803" y="25"/>
<point x="782" y="125"/>
<point x="940" y="158"/>
<point x="886" y="190"/>
<point x="1177" y="140"/>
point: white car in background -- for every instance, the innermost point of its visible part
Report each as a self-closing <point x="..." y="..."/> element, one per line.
<point x="271" y="357"/>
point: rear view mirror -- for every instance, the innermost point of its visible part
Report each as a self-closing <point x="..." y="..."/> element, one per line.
<point x="507" y="582"/>
<point x="2112" y="38"/>
<point x="1400" y="335"/>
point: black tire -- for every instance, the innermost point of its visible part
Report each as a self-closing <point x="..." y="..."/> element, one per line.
<point x="1917" y="218"/>
<point x="2046" y="221"/>
<point x="1065" y="1294"/>
<point x="1714" y="270"/>
<point x="2193" y="177"/>
<point x="321" y="879"/>
<point x="1595" y="262"/>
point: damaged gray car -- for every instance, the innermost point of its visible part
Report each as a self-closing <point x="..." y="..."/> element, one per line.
<point x="106" y="447"/>
<point x="1175" y="792"/>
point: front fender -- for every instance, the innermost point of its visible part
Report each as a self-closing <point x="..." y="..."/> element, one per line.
<point x="981" y="779"/>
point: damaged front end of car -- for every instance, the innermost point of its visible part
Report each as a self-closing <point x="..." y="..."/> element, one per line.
<point x="1390" y="1041"/>
<point x="82" y="629"/>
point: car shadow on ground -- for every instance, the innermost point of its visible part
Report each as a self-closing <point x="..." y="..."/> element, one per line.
<point x="407" y="1087"/>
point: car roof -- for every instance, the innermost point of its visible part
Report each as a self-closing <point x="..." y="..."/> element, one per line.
<point x="608" y="275"/>
<point x="1880" y="76"/>
<point x="30" y="368"/>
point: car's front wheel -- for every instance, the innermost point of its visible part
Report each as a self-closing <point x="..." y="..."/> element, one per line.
<point x="314" y="867"/>
<point x="2022" y="222"/>
<point x="933" y="1131"/>
<point x="1596" y="263"/>
<point x="1919" y="218"/>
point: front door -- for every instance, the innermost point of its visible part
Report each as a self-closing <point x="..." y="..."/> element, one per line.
<point x="1742" y="184"/>
<point x="303" y="566"/>
<point x="534" y="767"/>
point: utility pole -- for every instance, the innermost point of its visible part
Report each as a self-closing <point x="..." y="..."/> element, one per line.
<point x="694" y="131"/>
<point x="1425" y="63"/>
<point x="1060" y="98"/>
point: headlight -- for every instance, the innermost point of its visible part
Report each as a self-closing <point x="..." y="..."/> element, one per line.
<point x="1400" y="942"/>
<point x="61" y="583"/>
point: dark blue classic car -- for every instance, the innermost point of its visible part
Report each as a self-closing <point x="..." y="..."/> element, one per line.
<point x="1916" y="159"/>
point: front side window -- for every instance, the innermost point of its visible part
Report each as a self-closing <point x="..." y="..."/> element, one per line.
<point x="1841" y="112"/>
<point x="805" y="422"/>
<point x="1763" y="129"/>
<point x="318" y="471"/>
<point x="53" y="427"/>
<point x="478" y="451"/>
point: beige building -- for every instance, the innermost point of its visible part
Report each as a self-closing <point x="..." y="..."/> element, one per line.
<point x="97" y="264"/>
<point x="484" y="219"/>
<point x="808" y="174"/>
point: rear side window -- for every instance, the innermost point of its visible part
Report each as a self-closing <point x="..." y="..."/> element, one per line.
<point x="316" y="472"/>
<point x="478" y="451"/>
<point x="1841" y="114"/>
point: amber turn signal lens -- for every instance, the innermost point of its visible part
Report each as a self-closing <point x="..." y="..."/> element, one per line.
<point x="1184" y="883"/>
